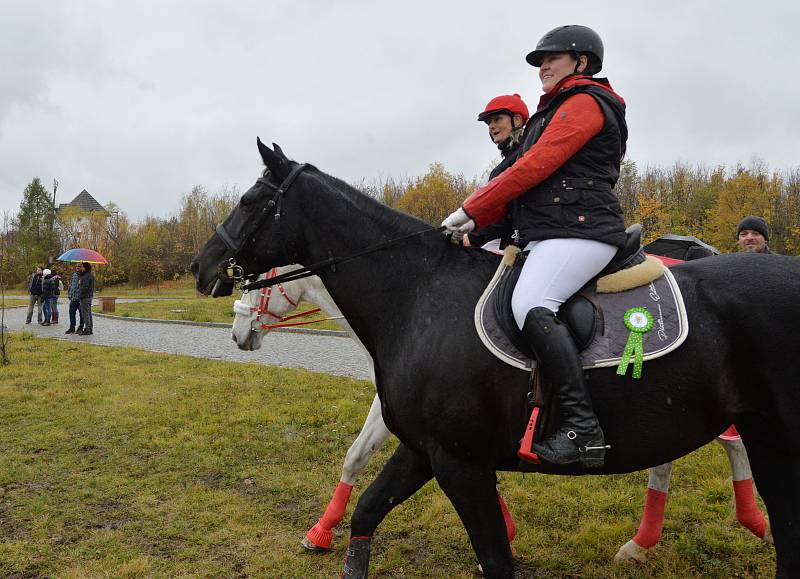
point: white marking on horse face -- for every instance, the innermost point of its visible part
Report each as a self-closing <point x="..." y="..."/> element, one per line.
<point x="246" y="330"/>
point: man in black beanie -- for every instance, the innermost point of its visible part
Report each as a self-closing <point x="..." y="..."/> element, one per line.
<point x="752" y="235"/>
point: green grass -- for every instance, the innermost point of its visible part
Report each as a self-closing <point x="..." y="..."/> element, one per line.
<point x="181" y="288"/>
<point x="203" y="310"/>
<point x="116" y="462"/>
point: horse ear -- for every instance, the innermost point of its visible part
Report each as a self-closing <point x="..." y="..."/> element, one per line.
<point x="279" y="152"/>
<point x="277" y="164"/>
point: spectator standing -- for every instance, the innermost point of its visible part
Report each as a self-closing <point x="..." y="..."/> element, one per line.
<point x="47" y="296"/>
<point x="85" y="295"/>
<point x="74" y="300"/>
<point x="35" y="297"/>
<point x="752" y="235"/>
<point x="58" y="285"/>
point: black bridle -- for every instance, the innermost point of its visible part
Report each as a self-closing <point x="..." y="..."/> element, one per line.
<point x="232" y="269"/>
<point x="235" y="273"/>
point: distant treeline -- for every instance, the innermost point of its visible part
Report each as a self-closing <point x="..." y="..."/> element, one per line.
<point x="698" y="200"/>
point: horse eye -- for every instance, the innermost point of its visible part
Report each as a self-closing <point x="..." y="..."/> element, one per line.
<point x="249" y="198"/>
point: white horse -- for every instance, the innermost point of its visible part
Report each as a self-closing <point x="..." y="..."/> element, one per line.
<point x="259" y="311"/>
<point x="256" y="313"/>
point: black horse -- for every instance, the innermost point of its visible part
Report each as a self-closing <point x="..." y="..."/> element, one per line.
<point x="459" y="412"/>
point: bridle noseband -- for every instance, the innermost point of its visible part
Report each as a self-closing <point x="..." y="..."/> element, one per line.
<point x="230" y="268"/>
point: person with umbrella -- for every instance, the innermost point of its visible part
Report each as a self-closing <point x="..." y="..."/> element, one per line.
<point x="74" y="300"/>
<point x="81" y="287"/>
<point x="85" y="295"/>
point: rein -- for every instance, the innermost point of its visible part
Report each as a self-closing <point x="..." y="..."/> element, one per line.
<point x="333" y="261"/>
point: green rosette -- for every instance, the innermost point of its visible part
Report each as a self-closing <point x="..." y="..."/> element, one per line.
<point x="639" y="321"/>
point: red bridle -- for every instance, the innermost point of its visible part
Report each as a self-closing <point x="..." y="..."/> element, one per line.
<point x="263" y="307"/>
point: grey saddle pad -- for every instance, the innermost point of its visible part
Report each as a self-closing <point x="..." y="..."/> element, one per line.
<point x="662" y="298"/>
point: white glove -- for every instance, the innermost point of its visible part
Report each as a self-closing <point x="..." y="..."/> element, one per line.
<point x="458" y="222"/>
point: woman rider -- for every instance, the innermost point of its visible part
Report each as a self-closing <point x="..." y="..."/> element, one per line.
<point x="567" y="217"/>
<point x="505" y="116"/>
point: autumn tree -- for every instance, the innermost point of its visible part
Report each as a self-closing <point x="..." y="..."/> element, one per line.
<point x="750" y="191"/>
<point x="435" y="195"/>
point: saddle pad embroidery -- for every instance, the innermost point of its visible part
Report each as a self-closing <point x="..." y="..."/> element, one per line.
<point x="661" y="297"/>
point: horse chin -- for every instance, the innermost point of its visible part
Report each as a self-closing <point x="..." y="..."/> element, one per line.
<point x="250" y="343"/>
<point x="256" y="338"/>
<point x="221" y="288"/>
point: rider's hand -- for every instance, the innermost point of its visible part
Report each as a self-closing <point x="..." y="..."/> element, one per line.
<point x="459" y="222"/>
<point x="457" y="238"/>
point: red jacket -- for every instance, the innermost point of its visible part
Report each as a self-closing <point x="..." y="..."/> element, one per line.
<point x="576" y="121"/>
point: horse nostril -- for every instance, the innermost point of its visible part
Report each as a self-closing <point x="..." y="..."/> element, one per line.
<point x="195" y="268"/>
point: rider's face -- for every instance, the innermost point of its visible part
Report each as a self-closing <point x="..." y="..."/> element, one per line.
<point x="556" y="66"/>
<point x="500" y="127"/>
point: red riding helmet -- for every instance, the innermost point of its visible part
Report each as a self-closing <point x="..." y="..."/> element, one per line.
<point x="511" y="104"/>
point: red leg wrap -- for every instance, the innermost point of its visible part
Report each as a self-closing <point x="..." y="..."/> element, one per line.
<point x="321" y="534"/>
<point x="649" y="533"/>
<point x="747" y="511"/>
<point x="511" y="526"/>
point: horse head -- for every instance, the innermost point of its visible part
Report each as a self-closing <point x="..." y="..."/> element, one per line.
<point x="256" y="310"/>
<point x="261" y="232"/>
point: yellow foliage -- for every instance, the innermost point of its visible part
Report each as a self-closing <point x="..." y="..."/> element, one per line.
<point x="746" y="193"/>
<point x="435" y="195"/>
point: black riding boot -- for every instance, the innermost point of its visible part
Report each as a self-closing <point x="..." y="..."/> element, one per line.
<point x="580" y="437"/>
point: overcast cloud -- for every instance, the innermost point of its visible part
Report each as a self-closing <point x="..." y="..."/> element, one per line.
<point x="138" y="102"/>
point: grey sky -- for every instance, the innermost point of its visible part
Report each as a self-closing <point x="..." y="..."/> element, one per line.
<point x="138" y="102"/>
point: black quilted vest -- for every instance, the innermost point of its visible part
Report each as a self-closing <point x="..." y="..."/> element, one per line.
<point x="578" y="201"/>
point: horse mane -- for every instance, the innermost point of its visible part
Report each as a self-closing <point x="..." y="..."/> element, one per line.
<point x="364" y="203"/>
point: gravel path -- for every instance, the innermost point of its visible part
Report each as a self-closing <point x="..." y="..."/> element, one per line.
<point x="319" y="353"/>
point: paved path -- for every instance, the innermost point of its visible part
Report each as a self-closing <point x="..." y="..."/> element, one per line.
<point x="328" y="354"/>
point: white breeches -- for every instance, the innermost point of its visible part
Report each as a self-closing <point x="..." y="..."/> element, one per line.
<point x="554" y="270"/>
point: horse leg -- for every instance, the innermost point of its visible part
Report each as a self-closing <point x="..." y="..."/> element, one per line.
<point x="747" y="511"/>
<point x="403" y="475"/>
<point x="776" y="466"/>
<point x="471" y="490"/>
<point x="649" y="533"/>
<point x="372" y="436"/>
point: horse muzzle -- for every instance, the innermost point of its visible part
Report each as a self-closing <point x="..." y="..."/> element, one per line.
<point x="222" y="287"/>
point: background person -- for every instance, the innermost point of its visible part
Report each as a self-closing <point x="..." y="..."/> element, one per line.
<point x="74" y="300"/>
<point x="58" y="285"/>
<point x="47" y="296"/>
<point x="35" y="295"/>
<point x="752" y="235"/>
<point x="570" y="220"/>
<point x="85" y="295"/>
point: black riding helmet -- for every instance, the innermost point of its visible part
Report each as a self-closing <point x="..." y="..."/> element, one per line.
<point x="571" y="38"/>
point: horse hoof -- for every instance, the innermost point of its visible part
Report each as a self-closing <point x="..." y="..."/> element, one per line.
<point x="768" y="536"/>
<point x="308" y="545"/>
<point x="630" y="551"/>
<point x="318" y="538"/>
<point x="513" y="554"/>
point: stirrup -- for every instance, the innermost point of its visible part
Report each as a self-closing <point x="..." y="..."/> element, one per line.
<point x="593" y="456"/>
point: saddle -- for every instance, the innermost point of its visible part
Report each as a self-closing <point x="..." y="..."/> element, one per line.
<point x="594" y="315"/>
<point x="597" y="317"/>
